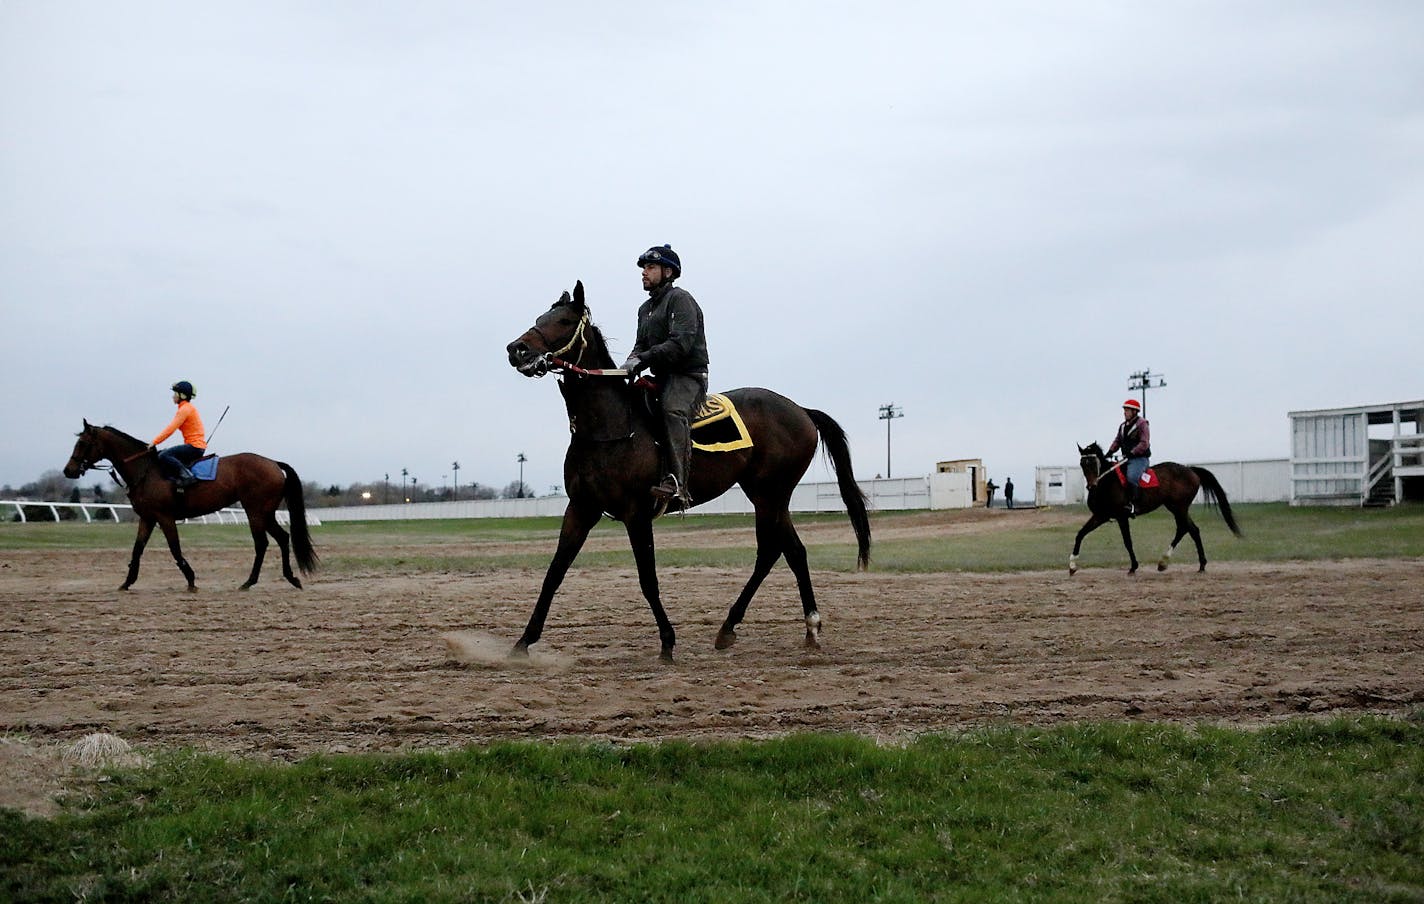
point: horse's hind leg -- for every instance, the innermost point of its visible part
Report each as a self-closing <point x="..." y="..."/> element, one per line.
<point x="284" y="544"/>
<point x="145" y="528"/>
<point x="170" y="532"/>
<point x="768" y="551"/>
<point x="795" y="552"/>
<point x="1184" y="526"/>
<point x="1196" y="538"/>
<point x="257" y="525"/>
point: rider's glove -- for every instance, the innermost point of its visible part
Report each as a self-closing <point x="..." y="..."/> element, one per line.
<point x="634" y="365"/>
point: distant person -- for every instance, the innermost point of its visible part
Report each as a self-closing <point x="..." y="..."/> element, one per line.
<point x="672" y="342"/>
<point x="1009" y="491"/>
<point x="175" y="460"/>
<point x="1135" y="441"/>
<point x="989" y="488"/>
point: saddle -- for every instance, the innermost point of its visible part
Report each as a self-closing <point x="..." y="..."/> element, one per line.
<point x="205" y="468"/>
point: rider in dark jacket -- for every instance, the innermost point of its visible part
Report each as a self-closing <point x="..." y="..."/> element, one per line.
<point x="1134" y="438"/>
<point x="671" y="341"/>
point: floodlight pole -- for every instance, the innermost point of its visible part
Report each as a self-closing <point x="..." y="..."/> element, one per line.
<point x="887" y="414"/>
<point x="455" y="466"/>
<point x="1142" y="380"/>
<point x="521" y="459"/>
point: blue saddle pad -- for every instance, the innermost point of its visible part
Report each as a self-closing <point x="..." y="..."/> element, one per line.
<point x="205" y="468"/>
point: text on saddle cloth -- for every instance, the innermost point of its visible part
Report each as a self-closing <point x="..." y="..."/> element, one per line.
<point x="1149" y="478"/>
<point x="718" y="426"/>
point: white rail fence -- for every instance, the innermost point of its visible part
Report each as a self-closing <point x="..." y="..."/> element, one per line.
<point x="114" y="512"/>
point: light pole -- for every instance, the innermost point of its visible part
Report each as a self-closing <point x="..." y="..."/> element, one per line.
<point x="521" y="459"/>
<point x="887" y="414"/>
<point x="1142" y="380"/>
<point x="404" y="474"/>
<point x="455" y="466"/>
<point x="386" y="489"/>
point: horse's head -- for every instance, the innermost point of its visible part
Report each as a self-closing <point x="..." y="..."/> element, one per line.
<point x="1093" y="462"/>
<point x="88" y="450"/>
<point x="562" y="330"/>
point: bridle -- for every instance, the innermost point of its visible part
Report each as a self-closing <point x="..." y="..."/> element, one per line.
<point x="87" y="464"/>
<point x="1098" y="460"/>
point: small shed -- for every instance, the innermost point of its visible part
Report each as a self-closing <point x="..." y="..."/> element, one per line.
<point x="1059" y="485"/>
<point x="974" y="467"/>
<point x="1366" y="455"/>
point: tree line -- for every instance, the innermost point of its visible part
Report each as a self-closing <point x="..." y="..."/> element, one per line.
<point x="53" y="486"/>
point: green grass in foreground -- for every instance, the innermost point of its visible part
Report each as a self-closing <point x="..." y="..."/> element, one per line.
<point x="1324" y="811"/>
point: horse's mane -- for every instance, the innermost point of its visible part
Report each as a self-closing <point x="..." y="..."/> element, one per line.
<point x="597" y="344"/>
<point x="122" y="435"/>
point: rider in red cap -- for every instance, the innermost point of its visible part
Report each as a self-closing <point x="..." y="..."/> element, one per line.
<point x="1135" y="441"/>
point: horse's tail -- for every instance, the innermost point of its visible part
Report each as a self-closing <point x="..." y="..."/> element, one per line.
<point x="297" y="517"/>
<point x="1214" y="493"/>
<point x="838" y="450"/>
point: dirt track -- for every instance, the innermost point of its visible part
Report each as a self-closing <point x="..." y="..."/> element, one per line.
<point x="364" y="662"/>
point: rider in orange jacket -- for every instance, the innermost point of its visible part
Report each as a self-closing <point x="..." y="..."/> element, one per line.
<point x="175" y="460"/>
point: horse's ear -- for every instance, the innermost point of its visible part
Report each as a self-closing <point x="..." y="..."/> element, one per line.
<point x="86" y="423"/>
<point x="578" y="294"/>
<point x="563" y="299"/>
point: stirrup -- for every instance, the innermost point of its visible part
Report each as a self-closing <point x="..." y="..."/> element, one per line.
<point x="671" y="488"/>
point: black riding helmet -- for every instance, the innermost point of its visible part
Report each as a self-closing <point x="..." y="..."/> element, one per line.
<point x="661" y="254"/>
<point x="184" y="389"/>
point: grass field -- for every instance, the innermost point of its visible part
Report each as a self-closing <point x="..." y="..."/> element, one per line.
<point x="1307" y="810"/>
<point x="1272" y="532"/>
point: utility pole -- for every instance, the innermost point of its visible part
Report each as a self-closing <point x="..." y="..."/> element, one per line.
<point x="455" y="466"/>
<point x="386" y="489"/>
<point x="521" y="459"/>
<point x="887" y="414"/>
<point x="1142" y="380"/>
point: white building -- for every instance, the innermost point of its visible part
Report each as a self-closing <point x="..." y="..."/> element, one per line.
<point x="1367" y="455"/>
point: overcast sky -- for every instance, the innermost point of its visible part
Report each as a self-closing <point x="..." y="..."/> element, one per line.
<point x="332" y="217"/>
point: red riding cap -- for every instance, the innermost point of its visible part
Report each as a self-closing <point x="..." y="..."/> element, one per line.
<point x="1133" y="404"/>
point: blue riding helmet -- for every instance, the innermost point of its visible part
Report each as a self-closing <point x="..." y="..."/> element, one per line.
<point x="184" y="388"/>
<point x="661" y="254"/>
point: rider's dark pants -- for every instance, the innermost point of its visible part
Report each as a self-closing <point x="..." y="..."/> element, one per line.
<point x="682" y="395"/>
<point x="175" y="460"/>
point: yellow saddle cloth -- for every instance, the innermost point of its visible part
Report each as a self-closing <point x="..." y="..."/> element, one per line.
<point x="717" y="427"/>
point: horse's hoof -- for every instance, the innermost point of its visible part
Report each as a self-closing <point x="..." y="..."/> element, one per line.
<point x="811" y="642"/>
<point x="520" y="651"/>
<point x="725" y="639"/>
<point x="247" y="586"/>
<point x="665" y="655"/>
<point x="192" y="588"/>
<point x="1161" y="566"/>
<point x="1072" y="570"/>
<point x="295" y="582"/>
<point x="124" y="587"/>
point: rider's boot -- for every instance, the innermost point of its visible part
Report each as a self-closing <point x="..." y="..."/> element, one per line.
<point x="183" y="479"/>
<point x="679" y="449"/>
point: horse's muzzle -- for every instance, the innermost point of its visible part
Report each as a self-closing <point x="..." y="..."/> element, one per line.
<point x="526" y="360"/>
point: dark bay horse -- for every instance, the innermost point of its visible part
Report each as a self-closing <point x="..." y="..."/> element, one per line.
<point x="613" y="460"/>
<point x="1176" y="487"/>
<point x="260" y="484"/>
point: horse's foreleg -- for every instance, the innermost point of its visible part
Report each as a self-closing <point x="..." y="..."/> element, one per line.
<point x="145" y="528"/>
<point x="1182" y="529"/>
<point x="574" y="531"/>
<point x="1094" y="522"/>
<point x="170" y="532"/>
<point x="769" y="548"/>
<point x="1127" y="542"/>
<point x="640" y="537"/>
<point x="257" y="525"/>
